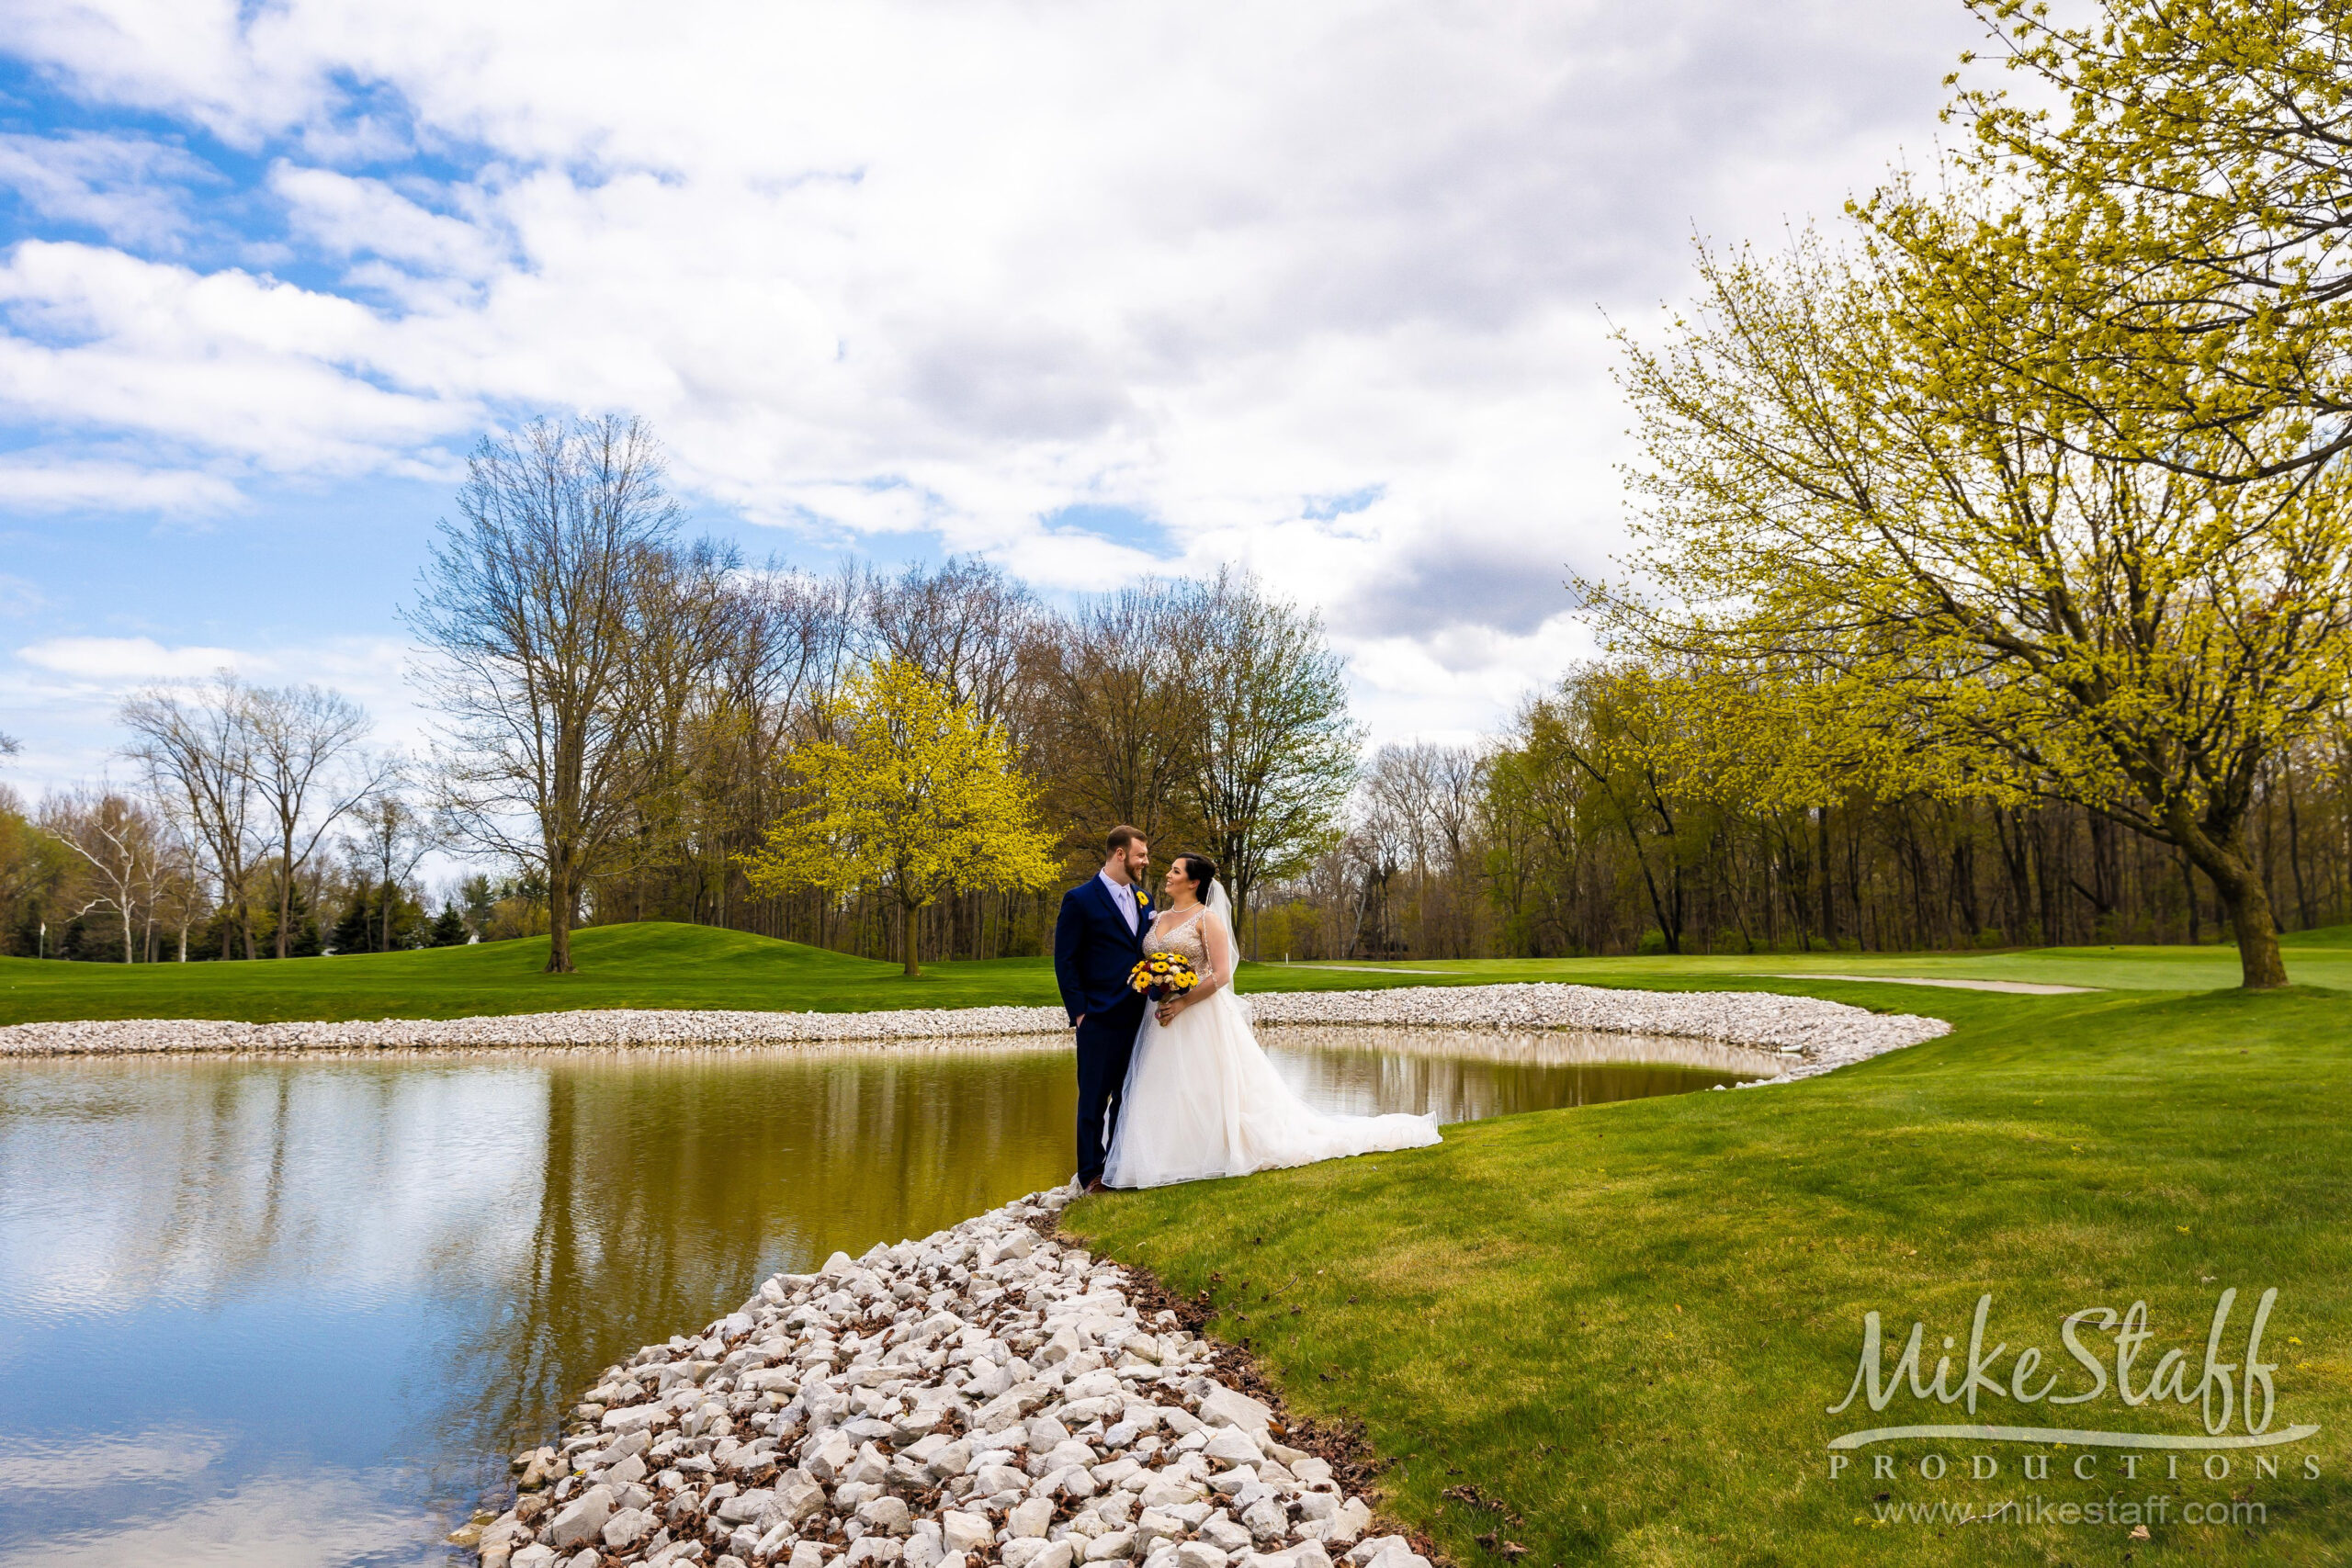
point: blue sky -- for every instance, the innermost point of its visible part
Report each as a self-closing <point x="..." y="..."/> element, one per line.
<point x="1091" y="291"/>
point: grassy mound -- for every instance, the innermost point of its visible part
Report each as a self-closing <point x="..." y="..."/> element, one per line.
<point x="1622" y="1326"/>
<point x="653" y="963"/>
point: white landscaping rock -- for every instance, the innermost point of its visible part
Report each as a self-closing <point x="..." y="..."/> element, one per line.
<point x="581" y="1522"/>
<point x="963" y="1532"/>
<point x="846" y="1419"/>
<point x="1030" y="1516"/>
<point x="1385" y="1552"/>
<point x="1220" y="1532"/>
<point x="1231" y="1408"/>
<point x="628" y="1527"/>
<point x="1229" y="1445"/>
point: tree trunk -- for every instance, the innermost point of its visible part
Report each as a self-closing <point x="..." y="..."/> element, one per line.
<point x="2248" y="905"/>
<point x="285" y="896"/>
<point x="2245" y="904"/>
<point x="1828" y="883"/>
<point x="906" y="940"/>
<point x="558" y="916"/>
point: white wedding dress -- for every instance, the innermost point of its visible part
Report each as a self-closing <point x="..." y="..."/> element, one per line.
<point x="1202" y="1100"/>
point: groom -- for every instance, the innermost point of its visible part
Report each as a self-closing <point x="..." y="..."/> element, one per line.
<point x="1097" y="939"/>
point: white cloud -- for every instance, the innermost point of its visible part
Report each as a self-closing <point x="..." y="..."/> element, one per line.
<point x="131" y="189"/>
<point x="43" y="484"/>
<point x="62" y="693"/>
<point x="113" y="659"/>
<point x="198" y="60"/>
<point x="945" y="271"/>
<point x="353" y="217"/>
<point x="245" y="366"/>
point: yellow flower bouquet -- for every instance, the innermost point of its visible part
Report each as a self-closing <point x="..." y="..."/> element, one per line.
<point x="1160" y="976"/>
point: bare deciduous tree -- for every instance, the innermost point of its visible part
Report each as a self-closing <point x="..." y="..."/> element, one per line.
<point x="179" y="899"/>
<point x="965" y="626"/>
<point x="300" y="737"/>
<point x="392" y="837"/>
<point x="784" y="641"/>
<point x="1423" y="798"/>
<point x="120" y="844"/>
<point x="196" y="748"/>
<point x="1112" y="713"/>
<point x="529" y="604"/>
<point x="685" y="615"/>
<point x="1272" y="750"/>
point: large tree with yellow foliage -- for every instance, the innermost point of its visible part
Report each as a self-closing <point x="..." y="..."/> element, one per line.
<point x="909" y="793"/>
<point x="2036" y="487"/>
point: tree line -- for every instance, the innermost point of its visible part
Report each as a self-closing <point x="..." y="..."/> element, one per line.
<point x="1601" y="822"/>
<point x="660" y="730"/>
<point x="634" y="725"/>
<point x="258" y="824"/>
<point x="1608" y="819"/>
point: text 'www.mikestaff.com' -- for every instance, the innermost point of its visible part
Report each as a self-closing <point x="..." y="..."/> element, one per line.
<point x="2111" y="1510"/>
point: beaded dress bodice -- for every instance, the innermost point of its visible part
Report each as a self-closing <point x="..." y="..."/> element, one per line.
<point x="1182" y="936"/>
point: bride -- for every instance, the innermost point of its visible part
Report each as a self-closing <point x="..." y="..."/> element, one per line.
<point x="1201" y="1098"/>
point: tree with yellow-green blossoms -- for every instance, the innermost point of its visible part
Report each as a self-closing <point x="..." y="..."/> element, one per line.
<point x="2201" y="151"/>
<point x="911" y="796"/>
<point x="2035" y="481"/>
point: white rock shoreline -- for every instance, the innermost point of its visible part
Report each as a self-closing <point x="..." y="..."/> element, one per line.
<point x="1816" y="1035"/>
<point x="986" y="1397"/>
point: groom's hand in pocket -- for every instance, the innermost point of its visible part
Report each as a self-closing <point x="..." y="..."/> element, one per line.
<point x="1079" y="1022"/>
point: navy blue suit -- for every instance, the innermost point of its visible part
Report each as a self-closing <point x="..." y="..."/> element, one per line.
<point x="1093" y="954"/>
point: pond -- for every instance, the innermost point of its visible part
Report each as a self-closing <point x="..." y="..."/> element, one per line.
<point x="283" y="1312"/>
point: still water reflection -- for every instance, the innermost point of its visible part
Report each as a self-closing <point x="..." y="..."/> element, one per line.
<point x="295" y="1313"/>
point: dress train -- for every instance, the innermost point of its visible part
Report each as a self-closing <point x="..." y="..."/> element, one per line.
<point x="1202" y="1099"/>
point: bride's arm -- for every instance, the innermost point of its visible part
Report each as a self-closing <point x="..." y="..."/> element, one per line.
<point x="1218" y="942"/>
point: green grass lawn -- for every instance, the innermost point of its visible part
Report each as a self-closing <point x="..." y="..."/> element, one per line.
<point x="1626" y="1321"/>
<point x="660" y="964"/>
<point x="2314" y="958"/>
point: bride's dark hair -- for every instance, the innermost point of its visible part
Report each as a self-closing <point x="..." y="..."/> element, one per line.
<point x="1201" y="871"/>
